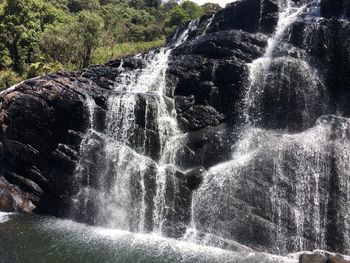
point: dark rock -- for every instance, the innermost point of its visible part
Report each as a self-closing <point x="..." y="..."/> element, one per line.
<point x="194" y="178"/>
<point x="23" y="152"/>
<point x="34" y="174"/>
<point x="206" y="147"/>
<point x="74" y="138"/>
<point x="335" y="8"/>
<point x="178" y="198"/>
<point x="323" y="257"/>
<point x="199" y="117"/>
<point x="246" y="15"/>
<point x="338" y="259"/>
<point x="24" y="183"/>
<point x="312" y="258"/>
<point x="99" y="119"/>
<point x="183" y="103"/>
<point x="67" y="150"/>
<point x="13" y="199"/>
<point x="225" y="44"/>
<point x="134" y="63"/>
<point x="65" y="160"/>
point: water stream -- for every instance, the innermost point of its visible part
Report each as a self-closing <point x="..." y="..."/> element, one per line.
<point x="269" y="159"/>
<point x="137" y="148"/>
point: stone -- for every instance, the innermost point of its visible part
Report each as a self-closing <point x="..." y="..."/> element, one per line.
<point x="335" y="8"/>
<point x="194" y="178"/>
<point x="199" y="117"/>
<point x="312" y="258"/>
<point x="183" y="103"/>
<point x="338" y="259"/>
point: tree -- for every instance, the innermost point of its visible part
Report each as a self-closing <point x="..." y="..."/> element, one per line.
<point x="210" y="7"/>
<point x="60" y="44"/>
<point x="37" y="36"/>
<point x="88" y="31"/>
<point x="153" y="3"/>
<point x="21" y="27"/>
<point x="182" y="14"/>
<point x="80" y="5"/>
<point x="192" y="9"/>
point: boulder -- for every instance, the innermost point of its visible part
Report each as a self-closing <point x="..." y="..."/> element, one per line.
<point x="312" y="258"/>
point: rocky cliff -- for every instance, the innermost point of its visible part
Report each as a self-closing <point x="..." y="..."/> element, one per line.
<point x="283" y="107"/>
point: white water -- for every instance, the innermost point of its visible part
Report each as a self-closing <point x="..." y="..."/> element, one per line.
<point x="5" y="217"/>
<point x="138" y="109"/>
<point x="136" y="191"/>
<point x="218" y="199"/>
<point x="210" y="21"/>
<point x="260" y="74"/>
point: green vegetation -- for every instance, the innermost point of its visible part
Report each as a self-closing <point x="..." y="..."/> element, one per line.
<point x="105" y="53"/>
<point x="42" y="36"/>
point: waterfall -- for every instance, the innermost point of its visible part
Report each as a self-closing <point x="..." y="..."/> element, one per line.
<point x="277" y="63"/>
<point x="289" y="167"/>
<point x="123" y="171"/>
<point x="274" y="189"/>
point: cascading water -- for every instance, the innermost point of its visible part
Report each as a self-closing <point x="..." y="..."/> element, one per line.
<point x="290" y="173"/>
<point x="274" y="189"/>
<point x="135" y="153"/>
<point x="273" y="72"/>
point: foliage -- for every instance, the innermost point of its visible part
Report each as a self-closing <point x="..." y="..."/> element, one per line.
<point x="210" y="7"/>
<point x="40" y="36"/>
<point x="20" y="27"/>
<point x="80" y="5"/>
<point x="182" y="14"/>
<point x="8" y="78"/>
<point x="87" y="32"/>
<point x="104" y="54"/>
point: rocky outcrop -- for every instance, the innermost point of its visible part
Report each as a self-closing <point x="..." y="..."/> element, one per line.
<point x="43" y="122"/>
<point x="323" y="257"/>
<point x="255" y="198"/>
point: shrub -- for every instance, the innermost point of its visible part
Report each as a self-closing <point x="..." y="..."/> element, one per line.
<point x="8" y="78"/>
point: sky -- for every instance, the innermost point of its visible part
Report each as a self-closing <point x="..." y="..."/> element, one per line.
<point x="220" y="2"/>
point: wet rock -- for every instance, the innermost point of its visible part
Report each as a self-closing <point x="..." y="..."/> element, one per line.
<point x="338" y="259"/>
<point x="74" y="138"/>
<point x="312" y="258"/>
<point x="323" y="257"/>
<point x="194" y="178"/>
<point x="177" y="207"/>
<point x="205" y="147"/>
<point x="13" y="199"/>
<point x="65" y="160"/>
<point x="225" y="44"/>
<point x="335" y="8"/>
<point x="24" y="183"/>
<point x="199" y="117"/>
<point x="42" y="125"/>
<point x="34" y="174"/>
<point x="23" y="152"/>
<point x="247" y="15"/>
<point x="183" y="103"/>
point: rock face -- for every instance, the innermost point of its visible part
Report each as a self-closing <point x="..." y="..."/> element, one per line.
<point x="323" y="257"/>
<point x="43" y="122"/>
<point x="261" y="97"/>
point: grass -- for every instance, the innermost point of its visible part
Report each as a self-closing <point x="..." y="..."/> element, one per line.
<point x="100" y="56"/>
<point x="106" y="53"/>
